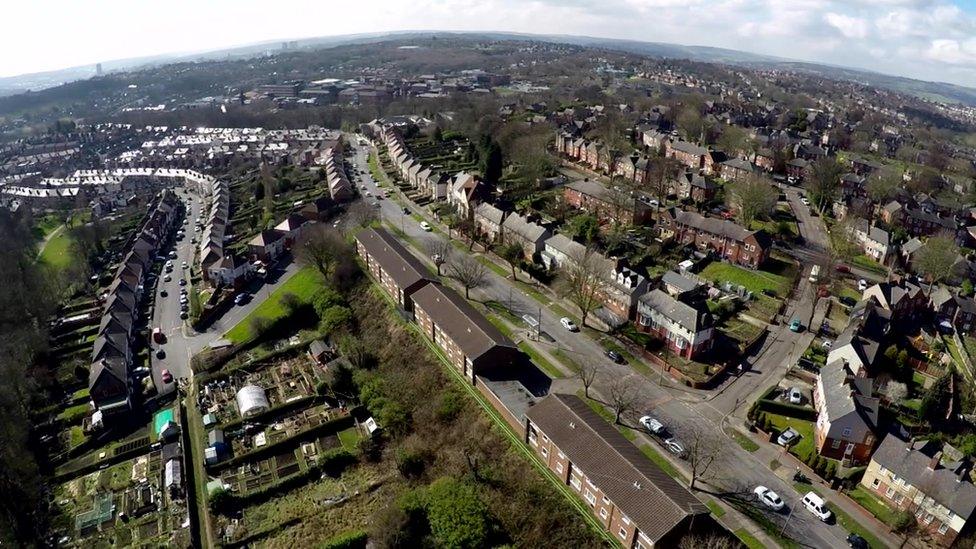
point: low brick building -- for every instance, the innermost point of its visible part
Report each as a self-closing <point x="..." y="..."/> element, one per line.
<point x="392" y="265"/>
<point x="847" y="415"/>
<point x="728" y="240"/>
<point x="640" y="505"/>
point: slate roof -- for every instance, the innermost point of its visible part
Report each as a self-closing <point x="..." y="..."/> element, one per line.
<point x="713" y="225"/>
<point x="689" y="148"/>
<point x="844" y="396"/>
<point x="265" y="237"/>
<point x="640" y="489"/>
<point x="533" y="232"/>
<point x="468" y="328"/>
<point x="911" y="461"/>
<point x="489" y="212"/>
<point x="691" y="318"/>
<point x="396" y="261"/>
<point x="678" y="280"/>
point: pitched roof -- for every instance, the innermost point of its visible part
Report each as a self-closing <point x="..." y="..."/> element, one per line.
<point x="489" y="212"/>
<point x="680" y="281"/>
<point x="520" y="225"/>
<point x="911" y="461"/>
<point x="396" y="261"/>
<point x="713" y="225"/>
<point x="468" y="328"/>
<point x="265" y="237"/>
<point x="691" y="318"/>
<point x="640" y="489"/>
<point x="842" y="397"/>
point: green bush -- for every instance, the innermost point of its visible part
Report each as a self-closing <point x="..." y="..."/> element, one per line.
<point x="788" y="410"/>
<point x="457" y="516"/>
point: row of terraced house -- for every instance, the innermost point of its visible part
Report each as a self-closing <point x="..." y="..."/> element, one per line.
<point x="632" y="498"/>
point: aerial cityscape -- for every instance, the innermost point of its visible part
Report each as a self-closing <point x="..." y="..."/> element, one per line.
<point x="480" y="286"/>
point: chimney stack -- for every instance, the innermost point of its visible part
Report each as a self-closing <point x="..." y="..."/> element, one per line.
<point x="934" y="462"/>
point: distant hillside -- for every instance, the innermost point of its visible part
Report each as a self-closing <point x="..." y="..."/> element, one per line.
<point x="937" y="91"/>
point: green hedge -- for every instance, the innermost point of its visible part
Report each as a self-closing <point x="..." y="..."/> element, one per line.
<point x="349" y="540"/>
<point x="788" y="410"/>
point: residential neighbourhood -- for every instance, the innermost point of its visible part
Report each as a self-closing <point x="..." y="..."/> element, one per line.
<point x="487" y="291"/>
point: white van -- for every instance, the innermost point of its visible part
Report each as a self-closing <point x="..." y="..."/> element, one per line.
<point x="815" y="274"/>
<point x="816" y="505"/>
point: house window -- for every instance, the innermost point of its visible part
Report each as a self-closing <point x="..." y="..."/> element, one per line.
<point x="928" y="518"/>
<point x="847" y="432"/>
<point x="589" y="497"/>
<point x="899" y="498"/>
<point x="544" y="451"/>
<point x="606" y="500"/>
<point x="559" y="467"/>
<point x="603" y="513"/>
<point x="639" y="545"/>
<point x="622" y="533"/>
<point x="943" y="528"/>
<point x="835" y="444"/>
<point x="889" y="492"/>
<point x="876" y="482"/>
<point x="575" y="482"/>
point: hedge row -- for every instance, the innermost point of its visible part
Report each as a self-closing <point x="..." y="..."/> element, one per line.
<point x="349" y="540"/>
<point x="787" y="409"/>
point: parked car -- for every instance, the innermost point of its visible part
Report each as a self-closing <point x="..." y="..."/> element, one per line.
<point x="160" y="354"/>
<point x="241" y="299"/>
<point x="569" y="324"/>
<point x="615" y="356"/>
<point x="425" y="226"/>
<point x="652" y="425"/>
<point x="804" y="200"/>
<point x="795" y="396"/>
<point x="862" y="285"/>
<point x="182" y="282"/>
<point x="167" y="377"/>
<point x="816" y="505"/>
<point x="796" y="325"/>
<point x="184" y="315"/>
<point x="841" y="268"/>
<point x="768" y="498"/>
<point x="787" y="437"/>
<point x="163" y="293"/>
<point x="857" y="542"/>
<point x="674" y="447"/>
<point x="847" y="300"/>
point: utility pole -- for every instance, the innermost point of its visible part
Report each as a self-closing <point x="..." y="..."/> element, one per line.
<point x="538" y="333"/>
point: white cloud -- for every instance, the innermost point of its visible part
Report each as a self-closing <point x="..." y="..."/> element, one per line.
<point x="850" y="27"/>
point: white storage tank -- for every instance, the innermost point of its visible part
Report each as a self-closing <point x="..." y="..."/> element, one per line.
<point x="252" y="400"/>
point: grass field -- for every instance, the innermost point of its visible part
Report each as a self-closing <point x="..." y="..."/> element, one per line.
<point x="57" y="252"/>
<point x="872" y="503"/>
<point x="303" y="284"/>
<point x="776" y="278"/>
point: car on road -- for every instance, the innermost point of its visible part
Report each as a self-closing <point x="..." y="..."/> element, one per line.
<point x="816" y="505"/>
<point x="796" y="325"/>
<point x="787" y="437"/>
<point x="185" y="265"/>
<point x="862" y="285"/>
<point x="362" y="187"/>
<point x="857" y="542"/>
<point x="182" y="282"/>
<point x="166" y="376"/>
<point x="158" y="336"/>
<point x="241" y="299"/>
<point x="841" y="268"/>
<point x="167" y="278"/>
<point x="674" y="447"/>
<point x="172" y="254"/>
<point x="425" y="226"/>
<point x="804" y="200"/>
<point x="160" y="353"/>
<point x="569" y="324"/>
<point x="768" y="498"/>
<point x="184" y="300"/>
<point x="184" y="315"/>
<point x="142" y="371"/>
<point x="163" y="293"/>
<point x="406" y="210"/>
<point x="375" y="204"/>
<point x="794" y="395"/>
<point x="615" y="356"/>
<point x="652" y="424"/>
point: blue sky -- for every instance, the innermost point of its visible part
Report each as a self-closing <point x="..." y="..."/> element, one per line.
<point x="926" y="39"/>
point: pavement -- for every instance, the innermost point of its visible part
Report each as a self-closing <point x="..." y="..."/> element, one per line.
<point x="182" y="342"/>
<point x="687" y="413"/>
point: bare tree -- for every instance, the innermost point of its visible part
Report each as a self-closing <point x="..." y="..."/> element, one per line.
<point x="323" y="248"/>
<point x="360" y="214"/>
<point x="512" y="253"/>
<point x="586" y="373"/>
<point x="937" y="259"/>
<point x="710" y="541"/>
<point x="439" y="250"/>
<point x="703" y="450"/>
<point x="469" y="272"/>
<point x="824" y="181"/>
<point x="622" y="395"/>
<point x="882" y="185"/>
<point x="582" y="280"/>
<point x="754" y="197"/>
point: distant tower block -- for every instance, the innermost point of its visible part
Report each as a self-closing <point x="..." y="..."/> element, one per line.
<point x="98" y="69"/>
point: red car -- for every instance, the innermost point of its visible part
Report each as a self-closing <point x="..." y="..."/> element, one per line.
<point x="167" y="377"/>
<point x="841" y="268"/>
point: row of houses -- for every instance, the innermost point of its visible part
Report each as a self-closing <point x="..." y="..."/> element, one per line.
<point x="634" y="500"/>
<point x="111" y="383"/>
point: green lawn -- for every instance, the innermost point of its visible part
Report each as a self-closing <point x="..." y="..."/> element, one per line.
<point x="349" y="438"/>
<point x="805" y="446"/>
<point x="872" y="503"/>
<point x="304" y="284"/>
<point x="57" y="252"/>
<point x="776" y="277"/>
<point x="748" y="539"/>
<point x="745" y="442"/>
<point x="715" y="508"/>
<point x="869" y="264"/>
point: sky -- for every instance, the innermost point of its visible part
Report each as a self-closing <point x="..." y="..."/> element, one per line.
<point x="925" y="39"/>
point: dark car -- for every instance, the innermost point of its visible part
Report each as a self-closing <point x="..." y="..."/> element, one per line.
<point x="163" y="293"/>
<point x="847" y="300"/>
<point x="615" y="356"/>
<point x="160" y="353"/>
<point x="857" y="542"/>
<point x="841" y="268"/>
<point x="184" y="315"/>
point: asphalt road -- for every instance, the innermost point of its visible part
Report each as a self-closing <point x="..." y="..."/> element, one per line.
<point x="684" y="411"/>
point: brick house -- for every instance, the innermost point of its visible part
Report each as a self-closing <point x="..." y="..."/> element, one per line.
<point x="694" y="186"/>
<point x="395" y="269"/>
<point x="687" y="330"/>
<point x="874" y="241"/>
<point x="928" y="479"/>
<point x="957" y="310"/>
<point x="622" y="291"/>
<point x="472" y="344"/>
<point x="488" y="221"/>
<point x="517" y="229"/>
<point x="905" y="299"/>
<point x="606" y="204"/>
<point x="847" y="415"/>
<point x="689" y="154"/>
<point x="267" y="245"/>
<point x="628" y="494"/>
<point x="728" y="240"/>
